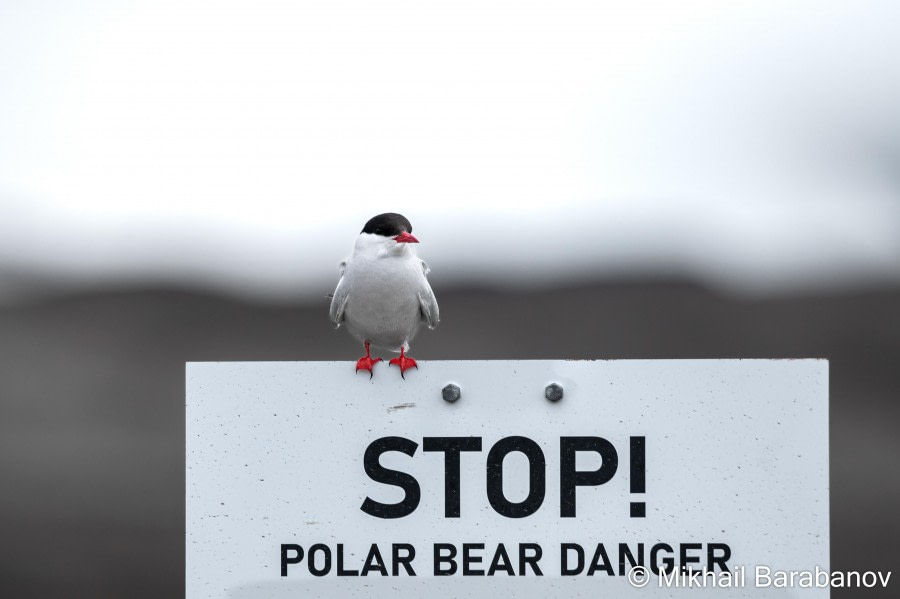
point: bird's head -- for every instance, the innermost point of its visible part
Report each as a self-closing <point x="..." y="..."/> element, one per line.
<point x="390" y="229"/>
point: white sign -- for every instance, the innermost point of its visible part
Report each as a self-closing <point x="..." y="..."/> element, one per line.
<point x="648" y="478"/>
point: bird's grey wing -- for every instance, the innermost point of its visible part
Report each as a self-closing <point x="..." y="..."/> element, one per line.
<point x="428" y="305"/>
<point x="339" y="299"/>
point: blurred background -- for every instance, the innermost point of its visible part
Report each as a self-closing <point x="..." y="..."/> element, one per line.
<point x="179" y="180"/>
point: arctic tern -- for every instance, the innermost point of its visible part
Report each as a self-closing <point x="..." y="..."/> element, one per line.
<point x="383" y="296"/>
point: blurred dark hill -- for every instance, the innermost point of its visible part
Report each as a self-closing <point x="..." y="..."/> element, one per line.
<point x="92" y="405"/>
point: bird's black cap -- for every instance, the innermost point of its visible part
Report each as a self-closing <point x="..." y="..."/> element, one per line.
<point x="389" y="224"/>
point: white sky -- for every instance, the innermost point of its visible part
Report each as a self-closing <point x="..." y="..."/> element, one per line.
<point x="244" y="144"/>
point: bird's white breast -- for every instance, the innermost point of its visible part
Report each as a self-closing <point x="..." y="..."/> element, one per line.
<point x="383" y="307"/>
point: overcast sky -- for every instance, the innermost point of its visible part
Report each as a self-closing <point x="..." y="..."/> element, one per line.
<point x="243" y="144"/>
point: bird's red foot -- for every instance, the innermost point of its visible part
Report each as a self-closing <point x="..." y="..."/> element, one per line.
<point x="366" y="362"/>
<point x="403" y="362"/>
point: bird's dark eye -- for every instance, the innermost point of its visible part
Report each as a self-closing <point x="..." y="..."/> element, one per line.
<point x="379" y="231"/>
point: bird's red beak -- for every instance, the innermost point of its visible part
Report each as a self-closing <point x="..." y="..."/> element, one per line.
<point x="405" y="237"/>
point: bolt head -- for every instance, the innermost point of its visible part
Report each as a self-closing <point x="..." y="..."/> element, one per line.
<point x="553" y="392"/>
<point x="450" y="393"/>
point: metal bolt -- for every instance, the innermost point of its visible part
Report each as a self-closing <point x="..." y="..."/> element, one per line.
<point x="450" y="393"/>
<point x="553" y="392"/>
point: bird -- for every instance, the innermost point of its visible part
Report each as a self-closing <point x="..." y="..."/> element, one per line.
<point x="383" y="295"/>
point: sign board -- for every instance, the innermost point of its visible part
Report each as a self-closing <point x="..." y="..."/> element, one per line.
<point x="646" y="479"/>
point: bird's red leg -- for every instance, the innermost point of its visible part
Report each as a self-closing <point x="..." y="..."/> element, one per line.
<point x="366" y="362"/>
<point x="403" y="362"/>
